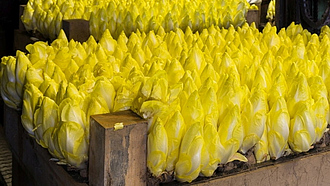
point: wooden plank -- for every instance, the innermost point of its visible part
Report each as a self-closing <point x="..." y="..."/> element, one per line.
<point x="118" y="157"/>
<point x="20" y="177"/>
<point x="21" y="26"/>
<point x="77" y="29"/>
<point x="11" y="120"/>
<point x="308" y="170"/>
<point x="1" y="110"/>
<point x="263" y="12"/>
<point x="31" y="162"/>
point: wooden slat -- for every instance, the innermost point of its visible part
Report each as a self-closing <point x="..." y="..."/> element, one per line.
<point x="253" y="16"/>
<point x="263" y="12"/>
<point x="307" y="170"/>
<point x="118" y="157"/>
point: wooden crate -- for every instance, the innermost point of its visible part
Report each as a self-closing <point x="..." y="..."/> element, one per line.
<point x="119" y="158"/>
<point x="305" y="169"/>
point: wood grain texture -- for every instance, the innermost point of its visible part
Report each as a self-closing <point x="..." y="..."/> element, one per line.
<point x="305" y="170"/>
<point x="118" y="157"/>
<point x="76" y="29"/>
<point x="253" y="16"/>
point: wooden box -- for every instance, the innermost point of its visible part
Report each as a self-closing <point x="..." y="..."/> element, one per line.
<point x="253" y="16"/>
<point x="118" y="157"/>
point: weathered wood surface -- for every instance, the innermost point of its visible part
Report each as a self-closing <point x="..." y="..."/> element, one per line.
<point x="253" y="16"/>
<point x="77" y="29"/>
<point x="308" y="170"/>
<point x="118" y="157"/>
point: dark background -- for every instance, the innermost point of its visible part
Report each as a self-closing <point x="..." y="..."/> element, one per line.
<point x="9" y="17"/>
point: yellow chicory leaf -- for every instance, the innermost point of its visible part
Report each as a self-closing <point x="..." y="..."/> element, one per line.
<point x="231" y="134"/>
<point x="192" y="111"/>
<point x="31" y="100"/>
<point x="175" y="129"/>
<point x="72" y="142"/>
<point x="189" y="164"/>
<point x="214" y="148"/>
<point x="157" y="148"/>
<point x="278" y="122"/>
<point x="45" y="117"/>
<point x="302" y="128"/>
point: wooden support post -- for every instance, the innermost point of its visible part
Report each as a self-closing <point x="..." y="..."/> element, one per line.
<point x="118" y="157"/>
<point x="253" y="16"/>
<point x="281" y="14"/>
<point x="77" y="29"/>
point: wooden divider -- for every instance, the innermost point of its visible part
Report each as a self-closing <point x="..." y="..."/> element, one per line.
<point x="118" y="157"/>
<point x="76" y="29"/>
<point x="253" y="16"/>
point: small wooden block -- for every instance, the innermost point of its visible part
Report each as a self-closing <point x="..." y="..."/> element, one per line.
<point x="118" y="157"/>
<point x="76" y="29"/>
<point x="253" y="16"/>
